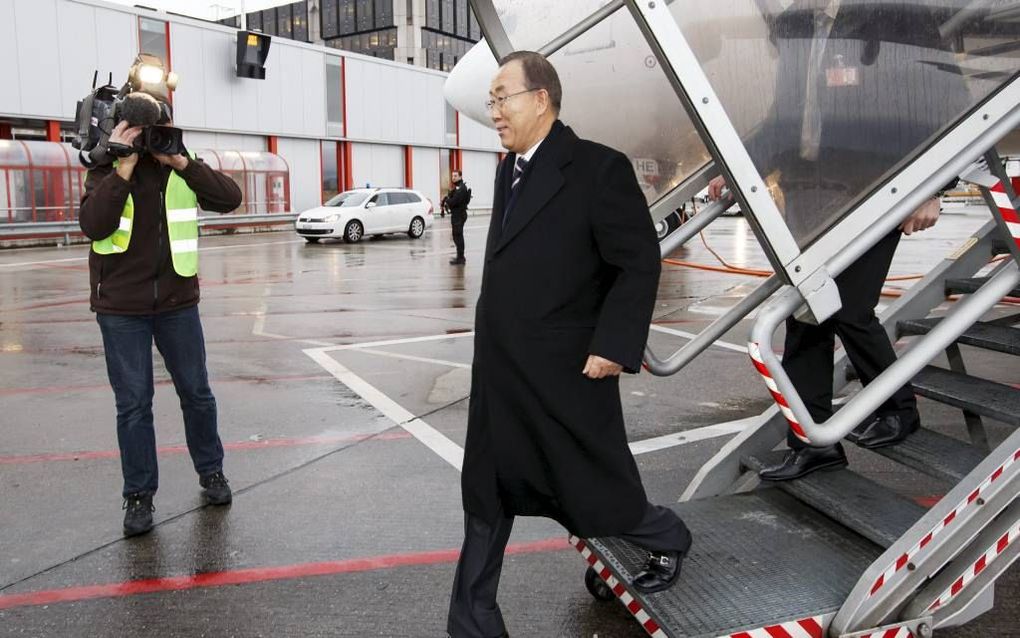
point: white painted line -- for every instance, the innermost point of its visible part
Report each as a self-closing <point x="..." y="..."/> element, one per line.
<point x="394" y="342"/>
<point x="691" y="436"/>
<point x="419" y="429"/>
<point x="690" y="335"/>
<point x="408" y="357"/>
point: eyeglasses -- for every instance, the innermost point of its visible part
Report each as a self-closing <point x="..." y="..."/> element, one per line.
<point x="500" y="102"/>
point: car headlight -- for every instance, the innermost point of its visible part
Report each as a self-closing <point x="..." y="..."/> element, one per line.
<point x="331" y="218"/>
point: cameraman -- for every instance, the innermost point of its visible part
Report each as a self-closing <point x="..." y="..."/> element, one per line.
<point x="140" y="212"/>
<point x="457" y="201"/>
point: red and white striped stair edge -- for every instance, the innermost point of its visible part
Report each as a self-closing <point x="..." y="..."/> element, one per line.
<point x="807" y="628"/>
<point x="905" y="559"/>
<point x="755" y="352"/>
<point x="1007" y="211"/>
<point x="632" y="605"/>
<point x="979" y="566"/>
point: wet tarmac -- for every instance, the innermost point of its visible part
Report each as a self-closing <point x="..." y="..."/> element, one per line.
<point x="341" y="374"/>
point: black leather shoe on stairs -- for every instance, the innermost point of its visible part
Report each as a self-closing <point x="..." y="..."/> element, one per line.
<point x="803" y="461"/>
<point x="884" y="431"/>
<point x="661" y="571"/>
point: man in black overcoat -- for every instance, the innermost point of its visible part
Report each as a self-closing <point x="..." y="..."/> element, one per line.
<point x="569" y="283"/>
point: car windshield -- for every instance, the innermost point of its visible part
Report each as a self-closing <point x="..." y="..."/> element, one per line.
<point x="348" y="199"/>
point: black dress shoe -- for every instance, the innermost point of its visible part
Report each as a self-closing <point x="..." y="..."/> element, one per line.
<point x="884" y="431"/>
<point x="803" y="461"/>
<point x="458" y="261"/>
<point x="661" y="571"/>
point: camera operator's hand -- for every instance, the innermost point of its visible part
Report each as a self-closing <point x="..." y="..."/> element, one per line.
<point x="176" y="162"/>
<point x="125" y="135"/>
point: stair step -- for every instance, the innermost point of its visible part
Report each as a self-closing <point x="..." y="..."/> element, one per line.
<point x="1004" y="339"/>
<point x="873" y="511"/>
<point x="759" y="559"/>
<point x="968" y="286"/>
<point x="936" y="455"/>
<point x="980" y="396"/>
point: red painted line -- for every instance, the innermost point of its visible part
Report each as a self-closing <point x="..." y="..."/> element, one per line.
<point x="257" y="575"/>
<point x="180" y="449"/>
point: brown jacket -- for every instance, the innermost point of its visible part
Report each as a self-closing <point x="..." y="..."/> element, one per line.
<point x="142" y="279"/>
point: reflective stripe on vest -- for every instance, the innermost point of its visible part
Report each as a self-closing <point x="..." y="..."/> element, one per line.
<point x="181" y="205"/>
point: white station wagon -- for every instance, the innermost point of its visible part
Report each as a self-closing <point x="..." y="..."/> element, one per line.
<point x="367" y="211"/>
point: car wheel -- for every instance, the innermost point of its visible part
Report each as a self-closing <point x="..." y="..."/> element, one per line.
<point x="417" y="228"/>
<point x="353" y="232"/>
<point x="312" y="240"/>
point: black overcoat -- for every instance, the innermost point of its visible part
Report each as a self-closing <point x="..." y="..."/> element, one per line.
<point x="574" y="272"/>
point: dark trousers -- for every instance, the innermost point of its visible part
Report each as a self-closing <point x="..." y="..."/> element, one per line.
<point x="127" y="342"/>
<point x="474" y="612"/>
<point x="808" y="355"/>
<point x="459" y="218"/>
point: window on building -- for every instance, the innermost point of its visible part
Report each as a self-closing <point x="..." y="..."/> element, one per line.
<point x="330" y="170"/>
<point x="284" y="23"/>
<point x="152" y="38"/>
<point x="462" y="18"/>
<point x="255" y="21"/>
<point x="474" y="29"/>
<point x="432" y="15"/>
<point x="446" y="16"/>
<point x="383" y="13"/>
<point x="299" y="21"/>
<point x="329" y="19"/>
<point x="348" y="24"/>
<point x="334" y="97"/>
<point x="366" y="15"/>
<point x="380" y="44"/>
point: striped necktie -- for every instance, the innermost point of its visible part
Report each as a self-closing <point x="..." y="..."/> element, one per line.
<point x="518" y="172"/>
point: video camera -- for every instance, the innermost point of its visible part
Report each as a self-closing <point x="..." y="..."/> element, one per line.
<point x="142" y="101"/>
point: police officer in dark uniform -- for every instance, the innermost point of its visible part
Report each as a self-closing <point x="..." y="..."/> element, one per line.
<point x="457" y="202"/>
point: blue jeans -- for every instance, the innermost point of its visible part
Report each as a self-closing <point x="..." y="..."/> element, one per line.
<point x="127" y="341"/>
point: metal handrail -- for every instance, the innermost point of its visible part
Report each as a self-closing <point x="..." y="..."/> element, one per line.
<point x="964" y="314"/>
<point x="704" y="339"/>
<point x="16" y="229"/>
<point x="687" y="353"/>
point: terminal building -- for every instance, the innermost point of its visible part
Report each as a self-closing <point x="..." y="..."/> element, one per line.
<point x="323" y="120"/>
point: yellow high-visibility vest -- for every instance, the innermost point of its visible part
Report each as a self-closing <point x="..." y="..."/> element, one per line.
<point x="181" y="205"/>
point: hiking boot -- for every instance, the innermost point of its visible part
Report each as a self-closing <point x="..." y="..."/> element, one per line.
<point x="216" y="489"/>
<point x="138" y="514"/>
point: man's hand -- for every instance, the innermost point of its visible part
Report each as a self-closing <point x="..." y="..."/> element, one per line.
<point x="176" y="162"/>
<point x="598" y="368"/>
<point x="923" y="218"/>
<point x="715" y="188"/>
<point x="125" y="135"/>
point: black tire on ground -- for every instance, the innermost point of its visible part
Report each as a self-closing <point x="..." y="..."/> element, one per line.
<point x="312" y="240"/>
<point x="417" y="228"/>
<point x="597" y="587"/>
<point x="353" y="232"/>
